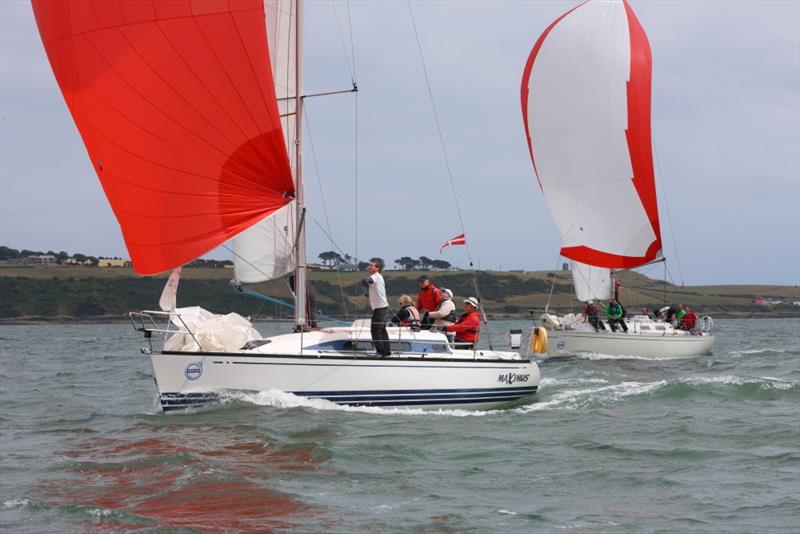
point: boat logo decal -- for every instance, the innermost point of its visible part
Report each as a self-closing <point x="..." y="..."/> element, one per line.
<point x="561" y="345"/>
<point x="193" y="371"/>
<point x="510" y="378"/>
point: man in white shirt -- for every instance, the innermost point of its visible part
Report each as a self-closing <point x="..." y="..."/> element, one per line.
<point x="380" y="307"/>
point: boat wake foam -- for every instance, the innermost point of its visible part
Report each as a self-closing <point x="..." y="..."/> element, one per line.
<point x="601" y="356"/>
<point x="280" y="399"/>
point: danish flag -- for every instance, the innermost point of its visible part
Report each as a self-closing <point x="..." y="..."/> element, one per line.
<point x="457" y="240"/>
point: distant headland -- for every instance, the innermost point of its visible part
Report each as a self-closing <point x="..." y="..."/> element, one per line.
<point x="55" y="289"/>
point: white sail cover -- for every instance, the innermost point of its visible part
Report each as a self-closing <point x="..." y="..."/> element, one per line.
<point x="586" y="107"/>
<point x="265" y="251"/>
<point x="591" y="283"/>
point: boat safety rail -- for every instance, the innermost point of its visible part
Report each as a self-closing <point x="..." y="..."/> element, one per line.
<point x="145" y="322"/>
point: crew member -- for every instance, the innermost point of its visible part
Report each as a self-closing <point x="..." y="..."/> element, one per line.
<point x="429" y="295"/>
<point x="614" y="316"/>
<point x="445" y="312"/>
<point x="468" y="326"/>
<point x="591" y="313"/>
<point x="408" y="315"/>
<point x="689" y="320"/>
<point x="380" y="307"/>
<point x="679" y="315"/>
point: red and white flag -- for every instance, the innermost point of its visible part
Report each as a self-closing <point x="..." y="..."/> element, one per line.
<point x="457" y="240"/>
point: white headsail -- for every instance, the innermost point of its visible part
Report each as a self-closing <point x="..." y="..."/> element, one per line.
<point x="265" y="251"/>
<point x="591" y="283"/>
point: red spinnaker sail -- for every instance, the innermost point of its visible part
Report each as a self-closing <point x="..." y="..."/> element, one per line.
<point x="176" y="105"/>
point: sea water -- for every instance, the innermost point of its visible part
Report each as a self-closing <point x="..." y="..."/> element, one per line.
<point x="609" y="444"/>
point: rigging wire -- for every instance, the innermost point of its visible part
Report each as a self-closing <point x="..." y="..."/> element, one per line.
<point x="350" y="59"/>
<point x="669" y="214"/>
<point x="329" y="233"/>
<point x="350" y="69"/>
<point x="352" y="45"/>
<point x="446" y="160"/>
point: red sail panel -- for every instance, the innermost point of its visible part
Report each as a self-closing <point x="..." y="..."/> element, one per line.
<point x="176" y="105"/>
<point x="638" y="132"/>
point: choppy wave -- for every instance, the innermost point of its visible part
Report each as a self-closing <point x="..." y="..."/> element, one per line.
<point x="757" y="351"/>
<point x="16" y="503"/>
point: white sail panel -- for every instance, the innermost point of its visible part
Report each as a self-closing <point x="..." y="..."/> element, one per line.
<point x="591" y="283"/>
<point x="577" y="117"/>
<point x="265" y="251"/>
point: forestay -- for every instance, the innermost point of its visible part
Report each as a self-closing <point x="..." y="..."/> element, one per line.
<point x="586" y="107"/>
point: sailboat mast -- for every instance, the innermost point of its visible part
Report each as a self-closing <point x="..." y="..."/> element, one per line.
<point x="300" y="296"/>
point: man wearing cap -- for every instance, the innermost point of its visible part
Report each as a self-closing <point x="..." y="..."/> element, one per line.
<point x="429" y="295"/>
<point x="380" y="307"/>
<point x="591" y="312"/>
<point x="467" y="328"/>
<point x="445" y="312"/>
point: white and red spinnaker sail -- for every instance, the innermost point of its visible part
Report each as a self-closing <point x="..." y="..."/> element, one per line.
<point x="586" y="108"/>
<point x="176" y="105"/>
<point x="266" y="251"/>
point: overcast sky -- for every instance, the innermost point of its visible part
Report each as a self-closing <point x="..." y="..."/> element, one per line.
<point x="726" y="131"/>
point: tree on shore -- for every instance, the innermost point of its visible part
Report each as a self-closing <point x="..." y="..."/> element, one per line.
<point x="440" y="264"/>
<point x="331" y="257"/>
<point x="406" y="263"/>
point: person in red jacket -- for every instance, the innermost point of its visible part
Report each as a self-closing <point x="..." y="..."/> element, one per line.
<point x="467" y="328"/>
<point x="429" y="295"/>
<point x="689" y="320"/>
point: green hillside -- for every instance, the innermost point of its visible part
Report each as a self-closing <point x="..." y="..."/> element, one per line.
<point x="88" y="293"/>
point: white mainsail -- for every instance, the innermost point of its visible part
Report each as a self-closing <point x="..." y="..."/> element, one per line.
<point x="265" y="251"/>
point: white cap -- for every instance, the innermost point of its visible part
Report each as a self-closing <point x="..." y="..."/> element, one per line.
<point x="472" y="300"/>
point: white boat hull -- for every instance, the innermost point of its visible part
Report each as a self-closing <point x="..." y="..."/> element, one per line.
<point x="363" y="381"/>
<point x="340" y="366"/>
<point x="565" y="342"/>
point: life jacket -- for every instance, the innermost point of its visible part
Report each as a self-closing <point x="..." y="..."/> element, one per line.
<point x="450" y="317"/>
<point x="413" y="320"/>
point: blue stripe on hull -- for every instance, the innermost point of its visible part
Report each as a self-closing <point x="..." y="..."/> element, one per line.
<point x="179" y="401"/>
